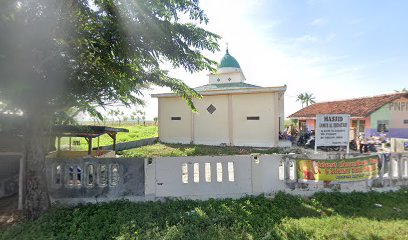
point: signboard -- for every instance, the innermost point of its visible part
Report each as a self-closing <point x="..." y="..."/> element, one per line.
<point x="339" y="170"/>
<point x="405" y="146"/>
<point x="332" y="130"/>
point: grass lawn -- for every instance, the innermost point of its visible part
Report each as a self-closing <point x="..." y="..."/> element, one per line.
<point x="177" y="150"/>
<point x="324" y="216"/>
<point x="136" y="132"/>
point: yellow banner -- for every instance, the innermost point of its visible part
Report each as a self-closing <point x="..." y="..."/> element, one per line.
<point x="339" y="170"/>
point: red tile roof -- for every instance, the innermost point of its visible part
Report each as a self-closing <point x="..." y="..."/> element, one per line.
<point x="357" y="107"/>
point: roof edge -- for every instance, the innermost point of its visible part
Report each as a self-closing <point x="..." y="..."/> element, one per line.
<point x="396" y="95"/>
<point x="229" y="91"/>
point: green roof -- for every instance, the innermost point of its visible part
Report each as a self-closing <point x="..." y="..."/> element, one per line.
<point x="228" y="61"/>
<point x="224" y="86"/>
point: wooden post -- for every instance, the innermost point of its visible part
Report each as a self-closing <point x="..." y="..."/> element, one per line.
<point x="113" y="136"/>
<point x="70" y="143"/>
<point x="89" y="140"/>
<point x="114" y="142"/>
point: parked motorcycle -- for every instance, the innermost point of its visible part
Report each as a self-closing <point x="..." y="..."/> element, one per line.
<point x="353" y="145"/>
<point x="372" y="147"/>
<point x="368" y="147"/>
<point x="303" y="139"/>
<point x="311" y="144"/>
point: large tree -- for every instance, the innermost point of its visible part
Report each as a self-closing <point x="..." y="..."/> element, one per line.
<point x="57" y="54"/>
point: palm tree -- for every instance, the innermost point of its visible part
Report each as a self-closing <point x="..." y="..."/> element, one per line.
<point x="306" y="98"/>
<point x="404" y="90"/>
<point x="309" y="98"/>
<point x="301" y="98"/>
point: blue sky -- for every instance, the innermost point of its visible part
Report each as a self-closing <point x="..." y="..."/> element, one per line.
<point x="333" y="49"/>
<point x="365" y="33"/>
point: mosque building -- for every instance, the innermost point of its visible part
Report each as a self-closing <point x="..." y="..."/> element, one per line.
<point x="231" y="111"/>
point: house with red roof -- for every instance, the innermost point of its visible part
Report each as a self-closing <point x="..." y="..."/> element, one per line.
<point x="368" y="115"/>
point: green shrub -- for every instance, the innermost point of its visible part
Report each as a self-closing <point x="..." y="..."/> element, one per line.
<point x="324" y="216"/>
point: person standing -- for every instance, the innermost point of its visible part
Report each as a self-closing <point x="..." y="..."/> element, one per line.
<point x="362" y="143"/>
<point x="293" y="133"/>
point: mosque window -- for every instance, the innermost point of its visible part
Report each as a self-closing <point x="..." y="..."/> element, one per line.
<point x="211" y="109"/>
<point x="175" y="118"/>
<point x="253" y="118"/>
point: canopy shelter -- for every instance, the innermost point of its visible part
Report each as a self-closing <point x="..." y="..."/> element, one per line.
<point x="87" y="132"/>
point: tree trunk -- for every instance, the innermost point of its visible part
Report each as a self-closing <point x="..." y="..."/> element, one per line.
<point x="36" y="140"/>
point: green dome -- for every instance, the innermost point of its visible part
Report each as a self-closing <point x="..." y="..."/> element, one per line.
<point x="228" y="61"/>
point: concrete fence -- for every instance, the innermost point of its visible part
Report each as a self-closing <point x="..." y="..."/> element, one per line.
<point x="399" y="145"/>
<point x="93" y="180"/>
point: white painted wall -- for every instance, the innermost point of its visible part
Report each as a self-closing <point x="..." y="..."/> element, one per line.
<point x="211" y="129"/>
<point x="266" y="170"/>
<point x="253" y="175"/>
<point x="169" y="177"/>
<point x="174" y="131"/>
<point x="281" y="97"/>
<point x="259" y="133"/>
<point x="232" y="76"/>
<point x="220" y="127"/>
<point x="399" y="115"/>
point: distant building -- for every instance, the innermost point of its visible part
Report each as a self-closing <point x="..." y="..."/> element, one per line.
<point x="369" y="115"/>
<point x="231" y="112"/>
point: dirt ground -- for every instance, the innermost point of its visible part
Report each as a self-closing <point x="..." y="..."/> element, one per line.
<point x="9" y="214"/>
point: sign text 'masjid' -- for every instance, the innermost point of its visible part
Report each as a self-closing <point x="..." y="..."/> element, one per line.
<point x="332" y="130"/>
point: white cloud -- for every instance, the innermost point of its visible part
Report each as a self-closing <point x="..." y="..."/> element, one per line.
<point x="318" y="22"/>
<point x="306" y="39"/>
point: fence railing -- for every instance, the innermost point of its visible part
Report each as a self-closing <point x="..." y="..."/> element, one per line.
<point x="204" y="177"/>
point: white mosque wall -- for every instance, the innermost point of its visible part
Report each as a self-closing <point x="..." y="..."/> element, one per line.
<point x="230" y="77"/>
<point x="211" y="129"/>
<point x="281" y="99"/>
<point x="239" y="120"/>
<point x="174" y="120"/>
<point x="261" y="132"/>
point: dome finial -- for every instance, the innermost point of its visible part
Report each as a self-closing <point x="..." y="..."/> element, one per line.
<point x="227" y="47"/>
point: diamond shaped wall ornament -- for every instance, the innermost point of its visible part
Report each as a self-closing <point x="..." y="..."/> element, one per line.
<point x="229" y="79"/>
<point x="218" y="80"/>
<point x="211" y="109"/>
